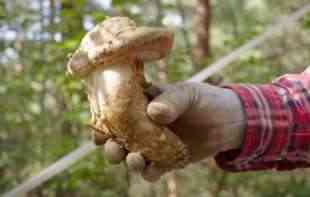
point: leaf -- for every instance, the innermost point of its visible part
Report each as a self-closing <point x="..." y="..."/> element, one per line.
<point x="306" y="22"/>
<point x="123" y="2"/>
<point x="98" y="16"/>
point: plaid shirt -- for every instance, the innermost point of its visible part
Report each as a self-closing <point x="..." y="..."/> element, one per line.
<point x="277" y="130"/>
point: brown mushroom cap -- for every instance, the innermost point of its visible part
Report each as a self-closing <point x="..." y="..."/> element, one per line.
<point x="117" y="41"/>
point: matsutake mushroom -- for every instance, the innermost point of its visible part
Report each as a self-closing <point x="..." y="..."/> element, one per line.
<point x="111" y="59"/>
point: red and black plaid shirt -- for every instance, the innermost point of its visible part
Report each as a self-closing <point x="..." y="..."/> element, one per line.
<point x="277" y="130"/>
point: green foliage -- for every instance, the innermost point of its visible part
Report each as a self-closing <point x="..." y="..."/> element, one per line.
<point x="44" y="112"/>
<point x="124" y="2"/>
<point x="306" y="21"/>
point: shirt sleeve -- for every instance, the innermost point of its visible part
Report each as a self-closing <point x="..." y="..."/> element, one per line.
<point x="277" y="129"/>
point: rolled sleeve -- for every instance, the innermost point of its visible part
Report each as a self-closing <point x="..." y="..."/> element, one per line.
<point x="277" y="129"/>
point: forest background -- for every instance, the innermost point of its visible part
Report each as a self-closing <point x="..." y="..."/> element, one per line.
<point x="44" y="112"/>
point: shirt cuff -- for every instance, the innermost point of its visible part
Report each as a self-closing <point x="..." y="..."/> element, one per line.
<point x="267" y="131"/>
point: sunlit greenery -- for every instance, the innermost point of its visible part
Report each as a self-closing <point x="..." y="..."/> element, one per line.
<point x="44" y="111"/>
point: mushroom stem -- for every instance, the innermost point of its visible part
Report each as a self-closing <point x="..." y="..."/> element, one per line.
<point x="118" y="107"/>
<point x="107" y="92"/>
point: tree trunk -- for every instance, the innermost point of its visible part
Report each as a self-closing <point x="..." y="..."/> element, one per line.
<point x="201" y="50"/>
<point x="202" y="28"/>
<point x="71" y="22"/>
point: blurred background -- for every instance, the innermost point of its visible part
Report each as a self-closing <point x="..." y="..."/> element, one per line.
<point x="44" y="111"/>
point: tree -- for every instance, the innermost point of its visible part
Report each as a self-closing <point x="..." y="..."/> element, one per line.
<point x="44" y="112"/>
<point x="202" y="29"/>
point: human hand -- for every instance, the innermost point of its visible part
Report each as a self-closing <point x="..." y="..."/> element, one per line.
<point x="208" y="119"/>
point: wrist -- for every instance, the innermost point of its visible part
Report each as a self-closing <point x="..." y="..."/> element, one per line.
<point x="223" y="119"/>
<point x="233" y="125"/>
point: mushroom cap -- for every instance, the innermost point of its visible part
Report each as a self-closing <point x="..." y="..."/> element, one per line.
<point x="118" y="40"/>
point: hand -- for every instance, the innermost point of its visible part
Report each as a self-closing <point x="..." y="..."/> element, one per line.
<point x="208" y="119"/>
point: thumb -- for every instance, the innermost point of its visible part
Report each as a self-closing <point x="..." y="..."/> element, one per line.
<point x="169" y="105"/>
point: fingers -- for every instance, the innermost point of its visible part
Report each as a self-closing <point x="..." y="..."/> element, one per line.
<point x="135" y="162"/>
<point x="98" y="137"/>
<point x="114" y="152"/>
<point x="152" y="173"/>
<point x="170" y="104"/>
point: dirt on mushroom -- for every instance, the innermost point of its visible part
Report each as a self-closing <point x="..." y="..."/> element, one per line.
<point x="110" y="60"/>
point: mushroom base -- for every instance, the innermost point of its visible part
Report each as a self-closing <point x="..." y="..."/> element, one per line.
<point x="118" y="110"/>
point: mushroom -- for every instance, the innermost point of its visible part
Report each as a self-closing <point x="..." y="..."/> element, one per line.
<point x="111" y="59"/>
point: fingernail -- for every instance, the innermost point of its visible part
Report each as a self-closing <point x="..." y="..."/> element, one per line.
<point x="159" y="112"/>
